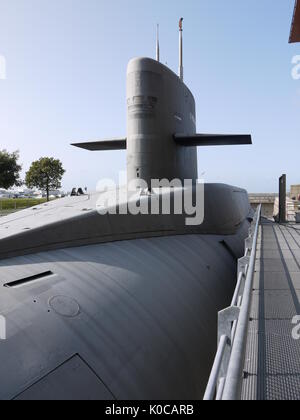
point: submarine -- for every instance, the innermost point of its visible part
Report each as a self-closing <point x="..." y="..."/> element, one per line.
<point x="117" y="306"/>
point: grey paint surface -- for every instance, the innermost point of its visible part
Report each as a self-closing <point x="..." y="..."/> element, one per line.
<point x="212" y="140"/>
<point x="109" y="144"/>
<point x="147" y="319"/>
<point x="161" y="140"/>
<point x="73" y="380"/>
<point x="132" y="301"/>
<point x="159" y="105"/>
<point x="75" y="221"/>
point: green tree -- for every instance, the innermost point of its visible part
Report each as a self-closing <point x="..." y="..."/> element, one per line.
<point x="9" y="169"/>
<point x="45" y="174"/>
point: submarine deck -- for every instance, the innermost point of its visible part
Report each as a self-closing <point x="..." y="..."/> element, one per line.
<point x="272" y="367"/>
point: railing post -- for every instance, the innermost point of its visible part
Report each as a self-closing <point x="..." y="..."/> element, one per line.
<point x="225" y="322"/>
<point x="249" y="243"/>
<point x="243" y="264"/>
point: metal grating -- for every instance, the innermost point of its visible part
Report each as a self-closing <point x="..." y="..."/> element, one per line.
<point x="272" y="364"/>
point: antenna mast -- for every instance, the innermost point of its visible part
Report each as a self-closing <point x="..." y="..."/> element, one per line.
<point x="157" y="44"/>
<point x="181" y="49"/>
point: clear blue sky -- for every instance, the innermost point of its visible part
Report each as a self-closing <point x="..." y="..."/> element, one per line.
<point x="66" y="73"/>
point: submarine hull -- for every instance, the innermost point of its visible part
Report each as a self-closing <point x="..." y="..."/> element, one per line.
<point x="140" y="316"/>
<point x="123" y="306"/>
<point x="129" y="318"/>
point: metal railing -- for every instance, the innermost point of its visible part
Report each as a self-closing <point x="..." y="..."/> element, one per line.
<point x="226" y="377"/>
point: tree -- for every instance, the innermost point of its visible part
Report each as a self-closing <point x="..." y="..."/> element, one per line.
<point x="45" y="174"/>
<point x="9" y="169"/>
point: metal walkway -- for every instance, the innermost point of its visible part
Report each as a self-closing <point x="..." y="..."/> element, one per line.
<point x="272" y="366"/>
<point x="258" y="356"/>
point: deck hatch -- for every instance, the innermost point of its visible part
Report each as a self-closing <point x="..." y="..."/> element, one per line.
<point x="74" y="380"/>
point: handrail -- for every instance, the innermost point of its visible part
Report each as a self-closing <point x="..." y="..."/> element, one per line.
<point x="211" y="388"/>
<point x="226" y="376"/>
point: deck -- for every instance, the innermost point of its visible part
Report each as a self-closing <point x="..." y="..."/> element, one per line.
<point x="272" y="367"/>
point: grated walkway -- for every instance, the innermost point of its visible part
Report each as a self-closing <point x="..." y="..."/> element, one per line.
<point x="272" y="366"/>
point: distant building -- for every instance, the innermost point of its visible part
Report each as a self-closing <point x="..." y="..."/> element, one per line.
<point x="295" y="192"/>
<point x="266" y="200"/>
<point x="270" y="203"/>
<point x="292" y="208"/>
<point x="21" y="192"/>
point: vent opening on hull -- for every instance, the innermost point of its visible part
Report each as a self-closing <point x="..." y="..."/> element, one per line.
<point x="31" y="279"/>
